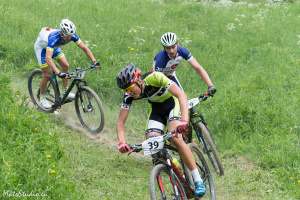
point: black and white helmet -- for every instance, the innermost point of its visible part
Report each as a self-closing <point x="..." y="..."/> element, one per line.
<point x="67" y="27"/>
<point x="168" y="39"/>
<point x="129" y="74"/>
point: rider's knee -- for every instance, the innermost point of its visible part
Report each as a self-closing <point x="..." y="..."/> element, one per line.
<point x="46" y="73"/>
<point x="173" y="122"/>
<point x="153" y="132"/>
<point x="174" y="118"/>
<point x="65" y="66"/>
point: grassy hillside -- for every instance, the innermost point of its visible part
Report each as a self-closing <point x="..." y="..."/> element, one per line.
<point x="251" y="51"/>
<point x="40" y="157"/>
<point x="31" y="157"/>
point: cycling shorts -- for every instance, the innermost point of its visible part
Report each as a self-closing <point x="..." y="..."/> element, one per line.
<point x="163" y="112"/>
<point x="40" y="54"/>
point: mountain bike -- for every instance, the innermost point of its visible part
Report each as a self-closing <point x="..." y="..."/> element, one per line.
<point x="170" y="178"/>
<point x="88" y="105"/>
<point x="203" y="134"/>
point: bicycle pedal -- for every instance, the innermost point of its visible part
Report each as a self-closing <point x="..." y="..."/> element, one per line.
<point x="68" y="100"/>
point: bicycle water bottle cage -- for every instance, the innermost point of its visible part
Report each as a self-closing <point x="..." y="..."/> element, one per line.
<point x="159" y="157"/>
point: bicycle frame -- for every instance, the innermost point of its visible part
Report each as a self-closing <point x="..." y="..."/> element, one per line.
<point x="195" y="118"/>
<point x="164" y="157"/>
<point x="62" y="100"/>
<point x="77" y="76"/>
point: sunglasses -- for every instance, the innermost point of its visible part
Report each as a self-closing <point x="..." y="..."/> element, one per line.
<point x="129" y="89"/>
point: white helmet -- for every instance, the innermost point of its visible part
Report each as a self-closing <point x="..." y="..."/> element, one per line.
<point x="168" y="39"/>
<point x="67" y="27"/>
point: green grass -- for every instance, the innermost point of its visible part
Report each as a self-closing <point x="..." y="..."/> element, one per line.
<point x="31" y="157"/>
<point x="251" y="51"/>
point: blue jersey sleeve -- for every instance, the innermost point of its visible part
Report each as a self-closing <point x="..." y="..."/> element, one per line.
<point x="53" y="39"/>
<point x="160" y="61"/>
<point x="75" y="38"/>
<point x="184" y="52"/>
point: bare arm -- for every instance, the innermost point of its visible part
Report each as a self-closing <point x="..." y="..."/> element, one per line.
<point x="121" y="125"/>
<point x="177" y="92"/>
<point x="87" y="51"/>
<point x="49" y="60"/>
<point x="201" y="72"/>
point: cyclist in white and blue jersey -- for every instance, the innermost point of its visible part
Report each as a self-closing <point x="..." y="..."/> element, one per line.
<point x="47" y="47"/>
<point x="169" y="58"/>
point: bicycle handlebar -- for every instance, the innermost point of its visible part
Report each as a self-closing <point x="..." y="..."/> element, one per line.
<point x="194" y="101"/>
<point x="138" y="147"/>
<point x="79" y="72"/>
<point x="203" y="97"/>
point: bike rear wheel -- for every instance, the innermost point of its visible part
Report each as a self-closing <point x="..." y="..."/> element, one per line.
<point x="89" y="109"/>
<point x="204" y="172"/>
<point x="210" y="150"/>
<point x="164" y="186"/>
<point x="33" y="84"/>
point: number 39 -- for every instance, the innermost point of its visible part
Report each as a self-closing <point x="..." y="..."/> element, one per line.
<point x="153" y="145"/>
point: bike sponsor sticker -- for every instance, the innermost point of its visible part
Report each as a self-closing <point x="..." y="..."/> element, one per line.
<point x="193" y="102"/>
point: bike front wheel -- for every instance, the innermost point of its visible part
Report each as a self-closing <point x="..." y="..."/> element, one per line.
<point x="89" y="109"/>
<point x="204" y="173"/>
<point x="164" y="185"/>
<point x="51" y="93"/>
<point x="210" y="149"/>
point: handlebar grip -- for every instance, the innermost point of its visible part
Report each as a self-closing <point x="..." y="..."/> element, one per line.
<point x="97" y="64"/>
<point x="203" y="97"/>
<point x="136" y="148"/>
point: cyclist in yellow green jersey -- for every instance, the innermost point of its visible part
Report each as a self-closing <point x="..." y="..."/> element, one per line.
<point x="169" y="108"/>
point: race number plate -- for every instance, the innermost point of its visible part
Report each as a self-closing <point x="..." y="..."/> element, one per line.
<point x="153" y="145"/>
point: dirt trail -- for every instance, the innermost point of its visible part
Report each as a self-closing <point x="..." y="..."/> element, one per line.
<point x="67" y="115"/>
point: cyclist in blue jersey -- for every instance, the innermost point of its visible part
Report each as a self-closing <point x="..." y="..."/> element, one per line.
<point x="169" y="58"/>
<point x="47" y="47"/>
<point x="169" y="107"/>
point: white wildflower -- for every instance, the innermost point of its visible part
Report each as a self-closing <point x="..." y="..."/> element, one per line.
<point x="241" y="15"/>
<point x="237" y="19"/>
<point x="230" y="27"/>
<point x="225" y="2"/>
<point x="252" y="5"/>
<point x="185" y="41"/>
<point x="132" y="30"/>
<point x="140" y="27"/>
<point x="140" y="40"/>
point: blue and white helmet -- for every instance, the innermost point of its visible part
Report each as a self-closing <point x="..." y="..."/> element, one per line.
<point x="67" y="27"/>
<point x="168" y="39"/>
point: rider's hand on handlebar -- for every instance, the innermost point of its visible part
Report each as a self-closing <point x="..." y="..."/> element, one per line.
<point x="96" y="64"/>
<point x="182" y="128"/>
<point x="63" y="74"/>
<point x="211" y="90"/>
<point x="123" y="147"/>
